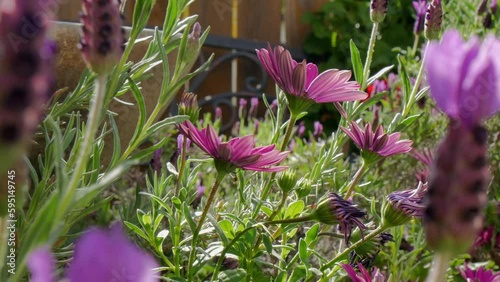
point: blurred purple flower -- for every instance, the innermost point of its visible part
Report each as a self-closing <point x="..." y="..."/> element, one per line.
<point x="420" y="10"/>
<point x="433" y="20"/>
<point x="426" y="157"/>
<point x="318" y="129"/>
<point x="256" y="127"/>
<point x="377" y="142"/>
<point x="301" y="130"/>
<point x="156" y="161"/>
<point x="479" y="275"/>
<point x="364" y="275"/>
<point x="378" y="9"/>
<point x="200" y="192"/>
<point x="301" y="80"/>
<point x="218" y="113"/>
<point x="180" y="141"/>
<point x="243" y="102"/>
<point x="100" y="256"/>
<point x="103" y="41"/>
<point x="471" y="92"/>
<point x="239" y="152"/>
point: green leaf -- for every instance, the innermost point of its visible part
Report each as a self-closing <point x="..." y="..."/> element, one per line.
<point x="405" y="79"/>
<point x="378" y="75"/>
<point x="407" y="122"/>
<point x="227" y="228"/>
<point x="116" y="142"/>
<point x="136" y="92"/>
<point x="312" y="233"/>
<point x="136" y="230"/>
<point x="368" y="103"/>
<point x="267" y="244"/>
<point x="149" y="151"/>
<point x="303" y="253"/>
<point x="189" y="218"/>
<point x="165" y="122"/>
<point x="421" y="93"/>
<point x="294" y="209"/>
<point x="232" y="275"/>
<point x="357" y="65"/>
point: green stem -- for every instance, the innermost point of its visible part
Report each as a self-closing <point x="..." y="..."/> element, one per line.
<point x="289" y="220"/>
<point x="374" y="233"/>
<point x="355" y="180"/>
<point x="194" y="241"/>
<point x="86" y="146"/>
<point x="280" y="206"/>
<point x="439" y="267"/>
<point x="415" y="45"/>
<point x="226" y="249"/>
<point x="414" y="91"/>
<point x="369" y="55"/>
<point x="181" y="168"/>
<point x="267" y="186"/>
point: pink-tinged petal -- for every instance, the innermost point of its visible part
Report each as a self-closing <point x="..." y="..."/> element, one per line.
<point x="351" y="272"/>
<point x="332" y="86"/>
<point x="286" y="68"/>
<point x="42" y="265"/>
<point x="299" y="78"/>
<point x="212" y="140"/>
<point x="311" y="73"/>
<point x="242" y="146"/>
<point x="107" y="255"/>
<point x="263" y="149"/>
<point x="265" y="58"/>
<point x="271" y="158"/>
<point x="480" y="94"/>
<point x="266" y="169"/>
<point x="199" y="138"/>
<point x="443" y="67"/>
<point x="364" y="272"/>
<point x="368" y="136"/>
<point x="249" y="160"/>
<point x="400" y="147"/>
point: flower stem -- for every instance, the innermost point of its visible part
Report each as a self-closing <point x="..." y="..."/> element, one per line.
<point x="355" y="181"/>
<point x="267" y="186"/>
<point x="280" y="206"/>
<point x="414" y="91"/>
<point x="439" y="267"/>
<point x="289" y="220"/>
<point x="415" y="45"/>
<point x="226" y="249"/>
<point x="374" y="233"/>
<point x="182" y="165"/>
<point x="86" y="146"/>
<point x="369" y="55"/>
<point x="194" y="241"/>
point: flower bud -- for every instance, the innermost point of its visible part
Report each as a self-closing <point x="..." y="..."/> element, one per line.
<point x="378" y="10"/>
<point x="189" y="106"/>
<point x="433" y="20"/>
<point x="401" y="206"/>
<point x="103" y="37"/>
<point x="304" y="188"/>
<point x="335" y="210"/>
<point x="287" y="180"/>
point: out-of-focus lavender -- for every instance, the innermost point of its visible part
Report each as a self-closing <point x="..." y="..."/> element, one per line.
<point x="420" y="10"/>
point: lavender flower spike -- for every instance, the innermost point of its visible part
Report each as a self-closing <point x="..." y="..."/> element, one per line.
<point x="302" y="84"/>
<point x="420" y="10"/>
<point x="100" y="256"/>
<point x="433" y="20"/>
<point x="237" y="153"/>
<point x="102" y="42"/>
<point x="471" y="92"/>
<point x="378" y="9"/>
<point x="26" y="72"/>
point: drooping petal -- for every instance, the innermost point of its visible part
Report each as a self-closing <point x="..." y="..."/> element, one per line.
<point x="332" y="86"/>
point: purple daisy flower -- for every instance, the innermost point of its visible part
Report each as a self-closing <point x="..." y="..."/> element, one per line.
<point x="377" y="142"/>
<point x="239" y="152"/>
<point x="364" y="275"/>
<point x="479" y="275"/>
<point x="471" y="92"/>
<point x="401" y="206"/>
<point x="302" y="81"/>
<point x="100" y="255"/>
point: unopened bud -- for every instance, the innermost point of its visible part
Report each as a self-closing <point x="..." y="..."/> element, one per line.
<point x="378" y="10"/>
<point x="287" y="180"/>
<point x="189" y="106"/>
<point x="433" y="20"/>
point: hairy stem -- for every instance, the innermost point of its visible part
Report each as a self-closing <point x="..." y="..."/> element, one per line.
<point x="369" y="55"/>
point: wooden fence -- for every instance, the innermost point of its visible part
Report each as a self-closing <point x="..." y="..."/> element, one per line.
<point x="237" y="26"/>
